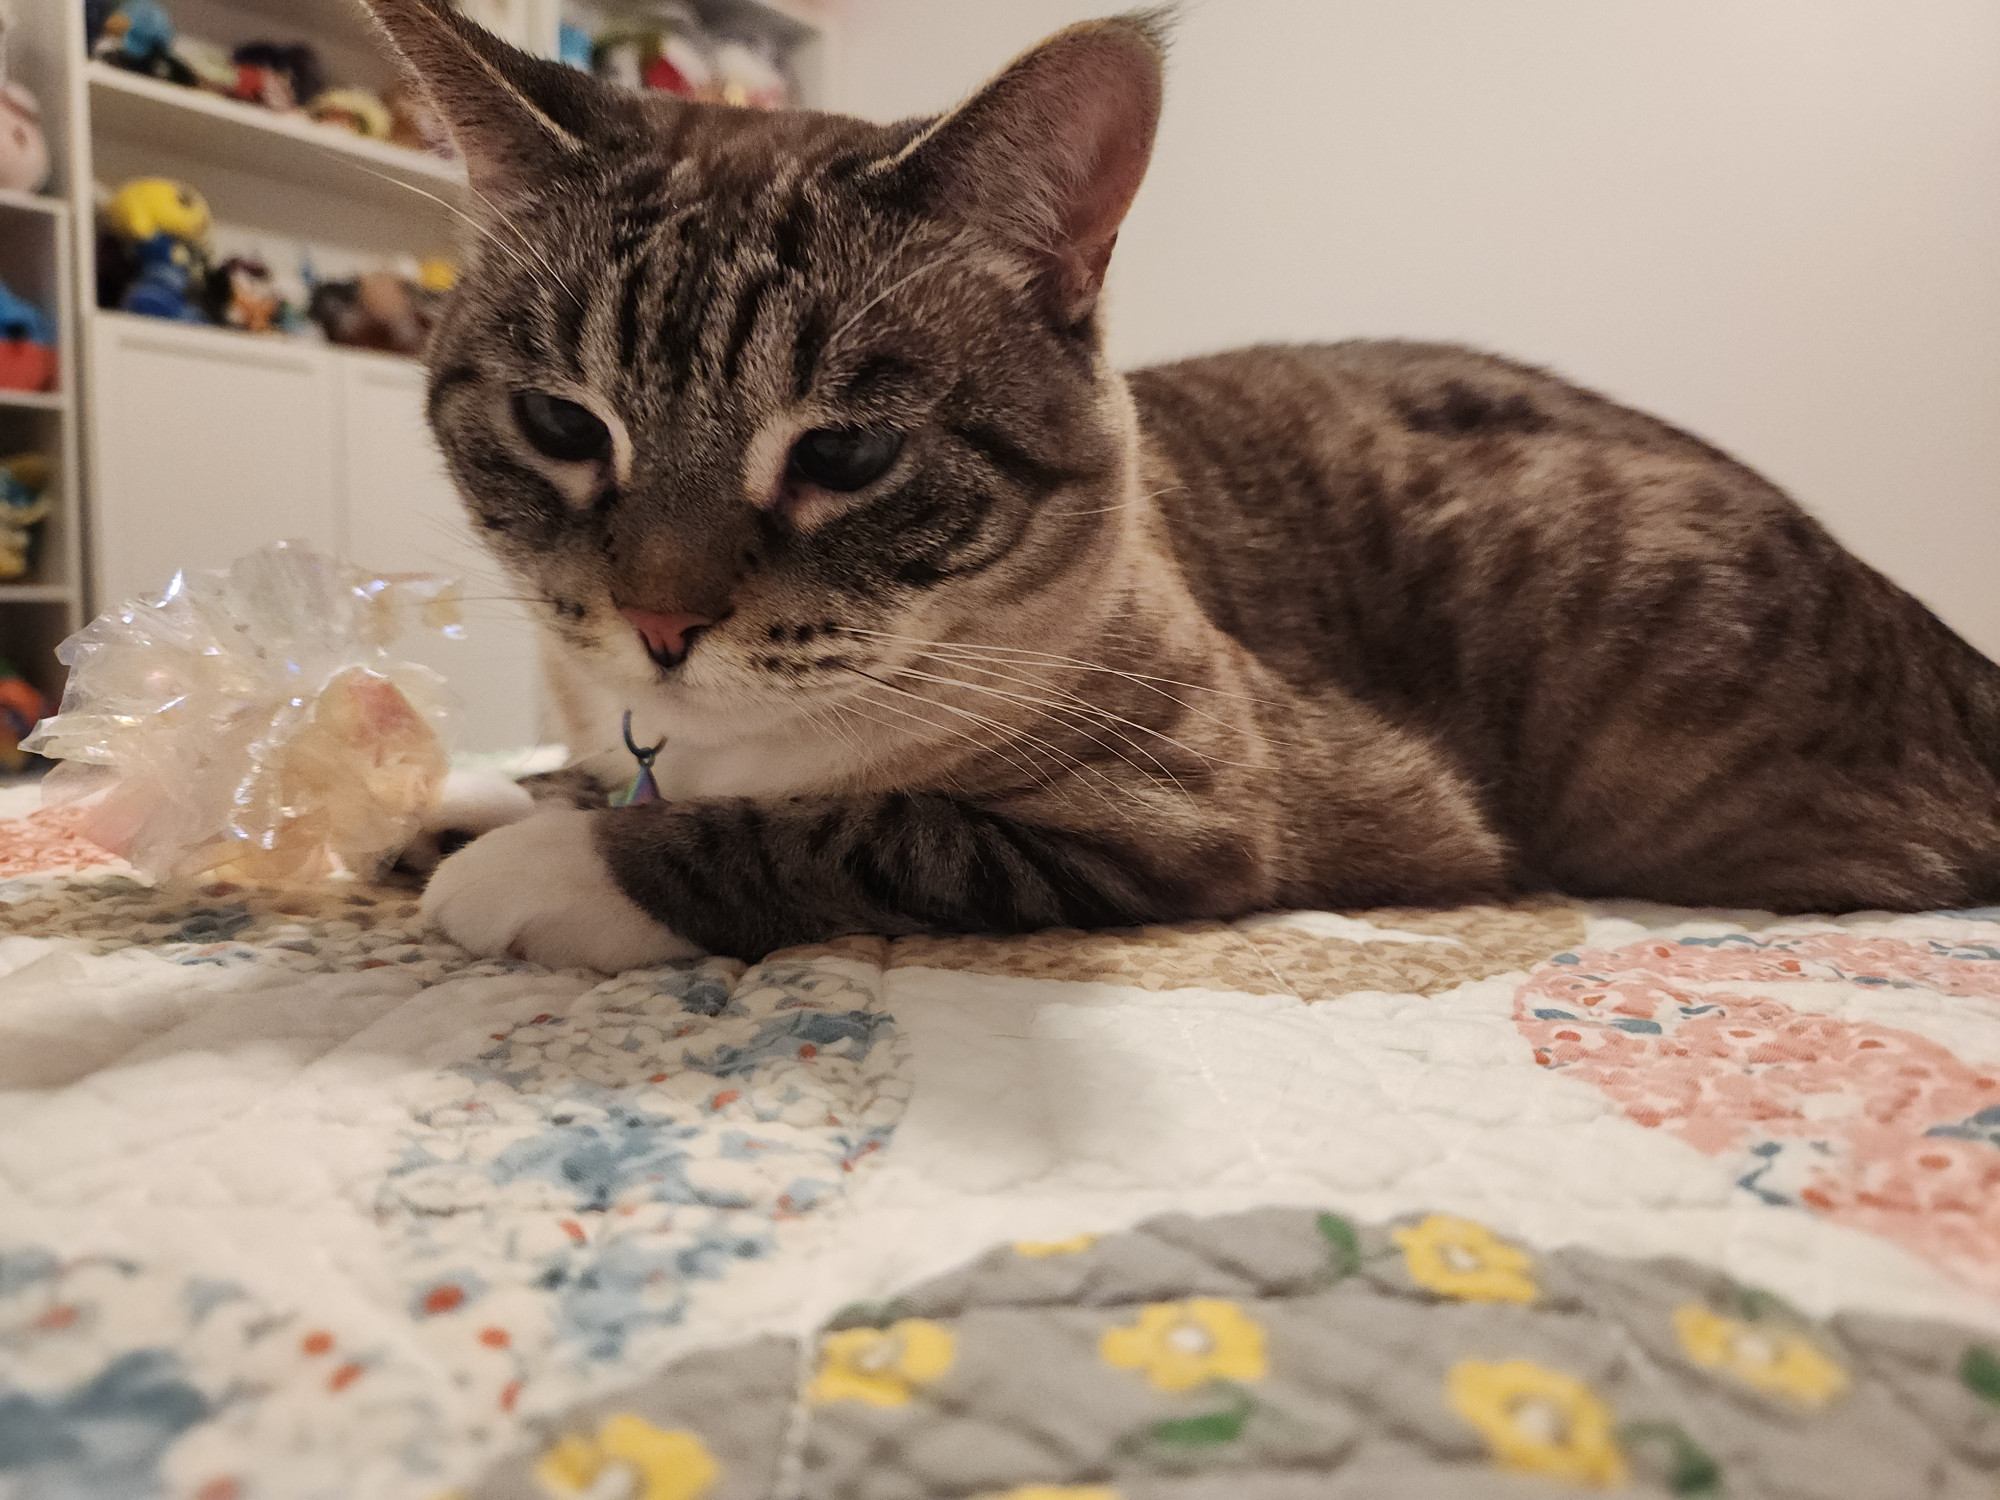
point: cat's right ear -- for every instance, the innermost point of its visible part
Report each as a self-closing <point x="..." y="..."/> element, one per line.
<point x="520" y="121"/>
<point x="1049" y="154"/>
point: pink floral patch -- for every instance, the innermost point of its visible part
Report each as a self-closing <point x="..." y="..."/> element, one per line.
<point x="46" y="843"/>
<point x="1870" y="1125"/>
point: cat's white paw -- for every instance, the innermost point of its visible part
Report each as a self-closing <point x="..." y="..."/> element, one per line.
<point x="538" y="890"/>
<point x="472" y="803"/>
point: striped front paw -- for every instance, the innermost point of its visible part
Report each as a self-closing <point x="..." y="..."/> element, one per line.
<point x="538" y="890"/>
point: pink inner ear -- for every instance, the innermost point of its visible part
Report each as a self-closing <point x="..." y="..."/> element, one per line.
<point x="1112" y="132"/>
<point x="1080" y="114"/>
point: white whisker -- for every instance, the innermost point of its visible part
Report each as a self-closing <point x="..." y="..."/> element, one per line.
<point x="1037" y="778"/>
<point x="453" y="208"/>
<point x="1022" y="737"/>
<point x="884" y="294"/>
<point x="1023" y="657"/>
<point x="1047" y="706"/>
<point x="1080" y="705"/>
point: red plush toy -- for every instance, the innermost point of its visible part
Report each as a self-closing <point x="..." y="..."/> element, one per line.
<point x="21" y="708"/>
<point x="27" y="345"/>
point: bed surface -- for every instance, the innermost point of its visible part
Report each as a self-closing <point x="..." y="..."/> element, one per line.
<point x="296" y="1200"/>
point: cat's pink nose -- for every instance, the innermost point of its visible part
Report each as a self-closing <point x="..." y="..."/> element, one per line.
<point x="667" y="636"/>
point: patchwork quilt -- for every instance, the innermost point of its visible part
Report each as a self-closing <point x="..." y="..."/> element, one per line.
<point x="297" y="1200"/>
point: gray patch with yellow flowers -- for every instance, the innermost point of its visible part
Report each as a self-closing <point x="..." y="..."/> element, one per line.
<point x="1283" y="1353"/>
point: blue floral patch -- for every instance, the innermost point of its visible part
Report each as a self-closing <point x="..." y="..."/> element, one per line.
<point x="102" y="1439"/>
<point x="111" y="1369"/>
<point x="592" y="1167"/>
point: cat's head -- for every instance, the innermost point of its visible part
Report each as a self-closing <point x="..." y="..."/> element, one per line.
<point x="786" y="372"/>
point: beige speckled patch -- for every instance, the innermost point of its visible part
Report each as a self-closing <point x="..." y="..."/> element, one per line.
<point x="1311" y="956"/>
<point x="335" y="927"/>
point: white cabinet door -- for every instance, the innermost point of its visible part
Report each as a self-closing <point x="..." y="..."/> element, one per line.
<point x="403" y="515"/>
<point x="208" y="445"/>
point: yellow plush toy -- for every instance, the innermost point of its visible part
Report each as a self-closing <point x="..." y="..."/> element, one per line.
<point x="147" y="206"/>
<point x="24" y="480"/>
<point x="353" y="109"/>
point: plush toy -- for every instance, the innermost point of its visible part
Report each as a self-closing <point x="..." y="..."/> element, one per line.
<point x="164" y="227"/>
<point x="21" y="708"/>
<point x="169" y="271"/>
<point x="147" y="206"/>
<point x="242" y="295"/>
<point x="24" y="505"/>
<point x="268" y="87"/>
<point x="24" y="154"/>
<point x="268" y="72"/>
<point x="27" y="345"/>
<point x="378" y="311"/>
<point x="23" y="151"/>
<point x="353" y="109"/>
<point x="139" y="37"/>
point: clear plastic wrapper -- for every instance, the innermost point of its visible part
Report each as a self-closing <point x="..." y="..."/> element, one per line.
<point x="252" y="724"/>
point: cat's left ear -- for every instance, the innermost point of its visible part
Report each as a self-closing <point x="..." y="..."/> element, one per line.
<point x="1050" y="153"/>
<point x="520" y="121"/>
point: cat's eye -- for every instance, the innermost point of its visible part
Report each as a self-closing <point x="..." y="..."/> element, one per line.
<point x="844" y="458"/>
<point x="561" y="430"/>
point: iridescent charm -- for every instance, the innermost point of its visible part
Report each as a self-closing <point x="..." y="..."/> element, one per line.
<point x="643" y="787"/>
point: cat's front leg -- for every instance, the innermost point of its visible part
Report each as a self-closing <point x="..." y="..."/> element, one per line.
<point x="540" y="890"/>
<point x="628" y="887"/>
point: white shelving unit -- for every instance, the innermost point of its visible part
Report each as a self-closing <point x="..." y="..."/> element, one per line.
<point x="34" y="400"/>
<point x="203" y="443"/>
<point x="36" y="254"/>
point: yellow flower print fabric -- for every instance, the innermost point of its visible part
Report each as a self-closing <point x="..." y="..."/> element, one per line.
<point x="1459" y="1258"/>
<point x="1076" y="1244"/>
<point x="1777" y="1361"/>
<point x="881" y="1366"/>
<point x="629" y="1457"/>
<point x="1300" y="1351"/>
<point x="1179" y="1346"/>
<point x="1538" y="1420"/>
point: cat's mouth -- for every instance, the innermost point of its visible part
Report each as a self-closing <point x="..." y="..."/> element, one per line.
<point x="668" y="637"/>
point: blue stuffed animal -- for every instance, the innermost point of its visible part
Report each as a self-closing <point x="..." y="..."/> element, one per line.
<point x="139" y="37"/>
<point x="23" y="322"/>
<point x="165" y="281"/>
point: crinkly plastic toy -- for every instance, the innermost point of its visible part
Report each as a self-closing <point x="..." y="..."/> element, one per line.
<point x="251" y="724"/>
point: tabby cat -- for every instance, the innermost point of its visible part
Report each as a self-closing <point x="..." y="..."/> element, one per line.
<point x="800" y="433"/>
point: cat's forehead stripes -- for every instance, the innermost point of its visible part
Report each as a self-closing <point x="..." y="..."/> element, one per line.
<point x="685" y="287"/>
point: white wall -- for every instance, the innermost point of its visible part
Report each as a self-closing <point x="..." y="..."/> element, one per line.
<point x="1776" y="222"/>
